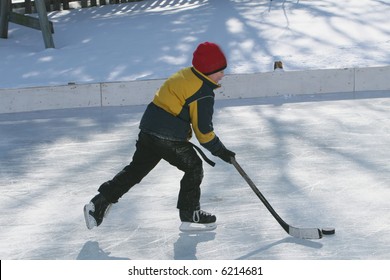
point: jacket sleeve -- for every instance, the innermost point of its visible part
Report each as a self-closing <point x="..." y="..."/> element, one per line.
<point x="201" y="113"/>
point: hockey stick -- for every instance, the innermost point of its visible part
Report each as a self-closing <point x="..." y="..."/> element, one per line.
<point x="305" y="233"/>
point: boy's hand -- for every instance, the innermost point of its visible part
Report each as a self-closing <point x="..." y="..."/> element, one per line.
<point x="225" y="154"/>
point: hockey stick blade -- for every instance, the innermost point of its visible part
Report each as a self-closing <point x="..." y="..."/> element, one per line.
<point x="304" y="233"/>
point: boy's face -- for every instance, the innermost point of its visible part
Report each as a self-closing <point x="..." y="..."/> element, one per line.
<point x="216" y="77"/>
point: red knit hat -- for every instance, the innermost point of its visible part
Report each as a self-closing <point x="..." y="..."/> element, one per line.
<point x="209" y="58"/>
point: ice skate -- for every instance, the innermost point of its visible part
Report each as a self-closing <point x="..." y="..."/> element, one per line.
<point x="96" y="210"/>
<point x="197" y="220"/>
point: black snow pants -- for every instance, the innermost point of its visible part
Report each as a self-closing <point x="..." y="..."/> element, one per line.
<point x="149" y="151"/>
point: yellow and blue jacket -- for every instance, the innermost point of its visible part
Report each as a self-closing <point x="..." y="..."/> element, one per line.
<point x="184" y="103"/>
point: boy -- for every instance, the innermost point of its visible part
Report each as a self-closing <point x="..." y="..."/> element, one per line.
<point x="183" y="104"/>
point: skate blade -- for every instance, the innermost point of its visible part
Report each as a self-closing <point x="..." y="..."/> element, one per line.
<point x="89" y="220"/>
<point x="107" y="210"/>
<point x="195" y="227"/>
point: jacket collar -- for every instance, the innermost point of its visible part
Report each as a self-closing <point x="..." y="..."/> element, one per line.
<point x="206" y="79"/>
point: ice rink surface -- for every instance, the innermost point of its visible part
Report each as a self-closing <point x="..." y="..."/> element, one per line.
<point x="319" y="160"/>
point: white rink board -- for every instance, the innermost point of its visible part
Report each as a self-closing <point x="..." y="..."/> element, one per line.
<point x="233" y="86"/>
<point x="46" y="98"/>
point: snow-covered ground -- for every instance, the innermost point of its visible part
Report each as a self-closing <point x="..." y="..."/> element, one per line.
<point x="153" y="38"/>
<point x="319" y="160"/>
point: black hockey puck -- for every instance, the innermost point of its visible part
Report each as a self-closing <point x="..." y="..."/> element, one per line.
<point x="328" y="230"/>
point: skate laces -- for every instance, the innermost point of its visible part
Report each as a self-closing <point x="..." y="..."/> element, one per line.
<point x="197" y="214"/>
